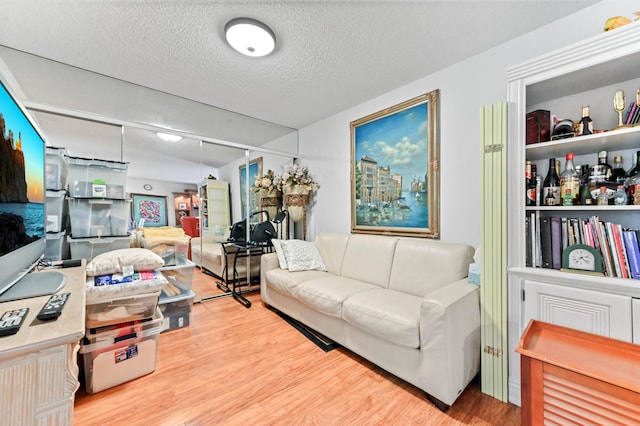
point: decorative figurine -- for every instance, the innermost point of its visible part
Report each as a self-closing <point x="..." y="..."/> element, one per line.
<point x="586" y="123"/>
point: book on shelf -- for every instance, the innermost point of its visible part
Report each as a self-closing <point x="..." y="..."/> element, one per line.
<point x="548" y="237"/>
<point x="633" y="253"/>
<point x="631" y="110"/>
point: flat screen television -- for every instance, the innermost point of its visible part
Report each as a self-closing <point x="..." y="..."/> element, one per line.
<point x="22" y="204"/>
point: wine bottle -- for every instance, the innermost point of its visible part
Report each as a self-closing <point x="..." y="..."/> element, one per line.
<point x="619" y="174"/>
<point x="569" y="182"/>
<point x="608" y="170"/>
<point x="636" y="168"/>
<point x="531" y="186"/>
<point x="551" y="185"/>
<point x="631" y="180"/>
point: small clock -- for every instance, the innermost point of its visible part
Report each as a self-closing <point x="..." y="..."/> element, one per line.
<point x="147" y="187"/>
<point x="582" y="258"/>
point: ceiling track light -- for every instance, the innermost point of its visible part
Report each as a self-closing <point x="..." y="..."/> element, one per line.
<point x="250" y="37"/>
<point x="169" y="137"/>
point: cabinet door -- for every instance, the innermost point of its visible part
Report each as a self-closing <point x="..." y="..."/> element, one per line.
<point x="591" y="311"/>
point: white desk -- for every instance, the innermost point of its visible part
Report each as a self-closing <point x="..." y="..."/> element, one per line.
<point x="38" y="365"/>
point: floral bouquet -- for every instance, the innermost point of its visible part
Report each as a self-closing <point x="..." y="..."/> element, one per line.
<point x="296" y="176"/>
<point x="266" y="182"/>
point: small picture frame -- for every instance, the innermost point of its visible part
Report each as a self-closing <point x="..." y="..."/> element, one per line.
<point x="182" y="206"/>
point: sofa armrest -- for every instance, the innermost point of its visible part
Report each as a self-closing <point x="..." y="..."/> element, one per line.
<point x="268" y="261"/>
<point x="450" y="339"/>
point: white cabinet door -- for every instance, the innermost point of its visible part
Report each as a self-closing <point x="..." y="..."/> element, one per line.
<point x="591" y="311"/>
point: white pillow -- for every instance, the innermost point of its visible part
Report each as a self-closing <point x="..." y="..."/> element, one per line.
<point x="282" y="260"/>
<point x="302" y="256"/>
<point x="122" y="261"/>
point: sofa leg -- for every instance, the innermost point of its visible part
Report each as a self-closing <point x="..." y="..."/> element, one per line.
<point x="439" y="404"/>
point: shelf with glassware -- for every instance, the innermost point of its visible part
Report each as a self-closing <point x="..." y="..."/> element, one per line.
<point x="215" y="210"/>
<point x="588" y="73"/>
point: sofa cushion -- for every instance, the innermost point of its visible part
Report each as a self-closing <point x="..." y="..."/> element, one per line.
<point x="327" y="294"/>
<point x="368" y="258"/>
<point x="421" y="266"/>
<point x="282" y="260"/>
<point x="302" y="255"/>
<point x="285" y="281"/>
<point x="390" y="315"/>
<point x="331" y="247"/>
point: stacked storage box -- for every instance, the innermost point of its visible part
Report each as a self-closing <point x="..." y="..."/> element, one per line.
<point x="177" y="298"/>
<point x="56" y="172"/>
<point x="123" y="324"/>
<point x="98" y="209"/>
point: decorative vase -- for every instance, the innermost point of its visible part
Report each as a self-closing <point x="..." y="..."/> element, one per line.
<point x="296" y="199"/>
<point x="270" y="201"/>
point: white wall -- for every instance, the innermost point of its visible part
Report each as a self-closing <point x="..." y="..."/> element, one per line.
<point x="464" y="89"/>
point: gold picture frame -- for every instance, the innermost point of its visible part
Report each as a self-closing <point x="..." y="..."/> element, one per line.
<point x="395" y="170"/>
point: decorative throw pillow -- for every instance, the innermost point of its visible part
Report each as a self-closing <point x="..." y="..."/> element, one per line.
<point x="124" y="261"/>
<point x="302" y="256"/>
<point x="282" y="260"/>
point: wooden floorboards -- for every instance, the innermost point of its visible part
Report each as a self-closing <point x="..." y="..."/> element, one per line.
<point x="238" y="366"/>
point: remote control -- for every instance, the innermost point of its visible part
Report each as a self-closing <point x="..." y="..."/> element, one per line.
<point x="53" y="308"/>
<point x="11" y="321"/>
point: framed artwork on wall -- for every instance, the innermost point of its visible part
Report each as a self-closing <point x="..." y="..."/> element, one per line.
<point x="395" y="176"/>
<point x="150" y="208"/>
<point x="255" y="170"/>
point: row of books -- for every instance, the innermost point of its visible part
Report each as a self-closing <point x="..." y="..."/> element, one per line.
<point x="548" y="237"/>
<point x="632" y="116"/>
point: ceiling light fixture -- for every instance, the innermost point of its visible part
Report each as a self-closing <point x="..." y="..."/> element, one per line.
<point x="250" y="37"/>
<point x="168" y="137"/>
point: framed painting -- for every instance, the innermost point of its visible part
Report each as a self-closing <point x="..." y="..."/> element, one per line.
<point x="395" y="170"/>
<point x="149" y="210"/>
<point x="255" y="170"/>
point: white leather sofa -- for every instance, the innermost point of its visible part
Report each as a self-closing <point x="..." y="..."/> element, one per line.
<point x="207" y="253"/>
<point x="402" y="303"/>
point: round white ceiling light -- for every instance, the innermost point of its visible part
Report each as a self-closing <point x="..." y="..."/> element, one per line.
<point x="250" y="37"/>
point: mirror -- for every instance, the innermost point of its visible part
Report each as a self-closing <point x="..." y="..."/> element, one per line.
<point x="94" y="116"/>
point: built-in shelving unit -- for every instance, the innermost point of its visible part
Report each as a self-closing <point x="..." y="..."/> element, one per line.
<point x="587" y="73"/>
<point x="215" y="210"/>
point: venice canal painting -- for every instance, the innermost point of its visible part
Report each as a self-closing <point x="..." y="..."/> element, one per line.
<point x="393" y="189"/>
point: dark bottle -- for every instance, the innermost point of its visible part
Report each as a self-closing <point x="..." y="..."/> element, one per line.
<point x="608" y="170"/>
<point x="585" y="192"/>
<point x="635" y="171"/>
<point x="531" y="186"/>
<point x="551" y="185"/>
<point x="619" y="174"/>
<point x="636" y="168"/>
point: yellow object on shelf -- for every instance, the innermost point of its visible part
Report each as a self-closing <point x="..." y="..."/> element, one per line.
<point x="615" y="22"/>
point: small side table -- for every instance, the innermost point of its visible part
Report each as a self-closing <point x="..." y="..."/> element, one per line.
<point x="569" y="374"/>
<point x="244" y="250"/>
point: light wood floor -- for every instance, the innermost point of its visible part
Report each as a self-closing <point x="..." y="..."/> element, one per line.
<point x="238" y="366"/>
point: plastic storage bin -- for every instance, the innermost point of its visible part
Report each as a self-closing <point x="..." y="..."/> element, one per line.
<point x="180" y="279"/>
<point x="88" y="248"/>
<point x="123" y="330"/>
<point x="57" y="247"/>
<point x="98" y="217"/>
<point x="110" y="362"/>
<point x="176" y="311"/>
<point x="57" y="210"/>
<point x="97" y="178"/>
<point x="173" y="250"/>
<point x="56" y="168"/>
<point x="121" y="309"/>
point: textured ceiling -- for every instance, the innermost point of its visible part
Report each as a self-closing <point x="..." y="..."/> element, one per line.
<point x="329" y="55"/>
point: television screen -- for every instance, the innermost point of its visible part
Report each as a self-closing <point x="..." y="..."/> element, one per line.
<point x="21" y="178"/>
<point x="22" y="204"/>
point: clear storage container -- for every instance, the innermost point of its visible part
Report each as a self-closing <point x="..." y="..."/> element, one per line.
<point x="57" y="210"/>
<point x="57" y="247"/>
<point x="110" y="362"/>
<point x="88" y="248"/>
<point x="121" y="309"/>
<point x="180" y="279"/>
<point x="56" y="168"/>
<point x="98" y="217"/>
<point x="173" y="250"/>
<point x="176" y="311"/>
<point x="97" y="178"/>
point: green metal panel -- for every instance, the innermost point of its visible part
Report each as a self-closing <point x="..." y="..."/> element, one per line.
<point x="493" y="293"/>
